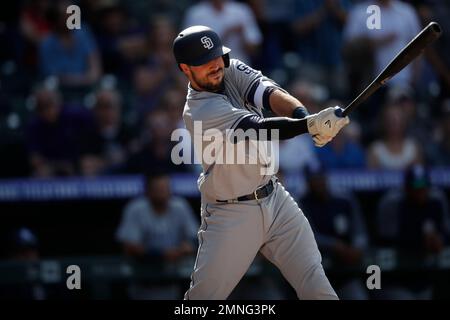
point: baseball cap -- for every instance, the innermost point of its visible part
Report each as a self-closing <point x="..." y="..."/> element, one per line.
<point x="198" y="45"/>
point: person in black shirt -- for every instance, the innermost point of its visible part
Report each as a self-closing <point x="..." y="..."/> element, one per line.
<point x="339" y="230"/>
<point x="415" y="222"/>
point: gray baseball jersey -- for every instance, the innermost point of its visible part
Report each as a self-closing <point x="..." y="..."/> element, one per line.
<point x="224" y="178"/>
<point x="231" y="234"/>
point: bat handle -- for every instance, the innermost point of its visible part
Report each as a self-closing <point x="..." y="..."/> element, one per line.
<point x="346" y="110"/>
<point x="339" y="113"/>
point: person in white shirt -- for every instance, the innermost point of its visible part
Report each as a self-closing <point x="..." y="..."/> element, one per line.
<point x="234" y="22"/>
<point x="399" y="25"/>
<point x="396" y="150"/>
<point x="157" y="227"/>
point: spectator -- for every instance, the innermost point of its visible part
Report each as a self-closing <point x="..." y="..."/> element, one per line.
<point x="395" y="150"/>
<point x="339" y="228"/>
<point x="312" y="95"/>
<point x="345" y="151"/>
<point x="160" y="72"/>
<point x="404" y="97"/>
<point x="157" y="227"/>
<point x="359" y="69"/>
<point x="417" y="114"/>
<point x="122" y="43"/>
<point x="400" y="24"/>
<point x="147" y="90"/>
<point x="9" y="33"/>
<point x="34" y="26"/>
<point x="438" y="55"/>
<point x="273" y="20"/>
<point x="160" y="34"/>
<point x="173" y="101"/>
<point x="70" y="55"/>
<point x="23" y="248"/>
<point x="54" y="135"/>
<point x="296" y="153"/>
<point x="342" y="153"/>
<point x="318" y="27"/>
<point x="139" y="9"/>
<point x="414" y="220"/>
<point x="156" y="145"/>
<point x="234" y="22"/>
<point x="108" y="145"/>
<point x="91" y="9"/>
<point x="24" y="245"/>
<point x="440" y="155"/>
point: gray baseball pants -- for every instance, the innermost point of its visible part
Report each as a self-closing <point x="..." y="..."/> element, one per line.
<point x="231" y="235"/>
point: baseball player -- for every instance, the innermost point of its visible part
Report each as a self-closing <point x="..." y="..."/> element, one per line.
<point x="244" y="212"/>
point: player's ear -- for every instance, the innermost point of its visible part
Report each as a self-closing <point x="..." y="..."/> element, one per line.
<point x="184" y="67"/>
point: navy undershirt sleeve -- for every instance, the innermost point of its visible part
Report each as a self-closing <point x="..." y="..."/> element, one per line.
<point x="287" y="127"/>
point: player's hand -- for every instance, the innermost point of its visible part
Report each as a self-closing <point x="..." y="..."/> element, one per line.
<point x="320" y="141"/>
<point x="326" y="124"/>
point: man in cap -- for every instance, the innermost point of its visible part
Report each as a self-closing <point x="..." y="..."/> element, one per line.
<point x="245" y="210"/>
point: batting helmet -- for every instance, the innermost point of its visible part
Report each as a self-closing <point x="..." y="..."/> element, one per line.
<point x="197" y="45"/>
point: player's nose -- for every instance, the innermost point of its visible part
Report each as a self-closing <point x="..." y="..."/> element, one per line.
<point x="215" y="63"/>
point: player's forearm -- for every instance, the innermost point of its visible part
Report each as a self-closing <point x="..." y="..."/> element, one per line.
<point x="267" y="128"/>
<point x="283" y="104"/>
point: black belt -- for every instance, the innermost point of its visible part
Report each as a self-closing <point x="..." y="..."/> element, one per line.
<point x="259" y="193"/>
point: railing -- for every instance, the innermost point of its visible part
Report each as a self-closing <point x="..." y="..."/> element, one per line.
<point x="110" y="187"/>
<point x="100" y="272"/>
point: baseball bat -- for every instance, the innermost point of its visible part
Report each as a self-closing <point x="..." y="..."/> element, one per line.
<point x="411" y="51"/>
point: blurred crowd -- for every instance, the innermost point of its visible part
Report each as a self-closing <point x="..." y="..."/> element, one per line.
<point x="105" y="98"/>
<point x="158" y="230"/>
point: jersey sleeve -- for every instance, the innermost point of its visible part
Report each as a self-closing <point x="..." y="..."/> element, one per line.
<point x="212" y="121"/>
<point x="218" y="115"/>
<point x="253" y="87"/>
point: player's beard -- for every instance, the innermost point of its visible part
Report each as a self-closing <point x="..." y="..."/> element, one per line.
<point x="207" y="85"/>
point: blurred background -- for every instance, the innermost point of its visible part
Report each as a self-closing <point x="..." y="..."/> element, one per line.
<point x="86" y="116"/>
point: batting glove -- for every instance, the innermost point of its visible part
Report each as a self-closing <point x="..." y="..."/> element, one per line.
<point x="326" y="124"/>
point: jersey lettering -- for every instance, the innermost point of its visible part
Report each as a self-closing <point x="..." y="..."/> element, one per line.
<point x="244" y="68"/>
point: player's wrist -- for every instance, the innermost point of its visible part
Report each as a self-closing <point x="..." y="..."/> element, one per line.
<point x="300" y="112"/>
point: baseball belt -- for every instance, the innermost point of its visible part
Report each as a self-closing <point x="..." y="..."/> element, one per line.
<point x="258" y="194"/>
